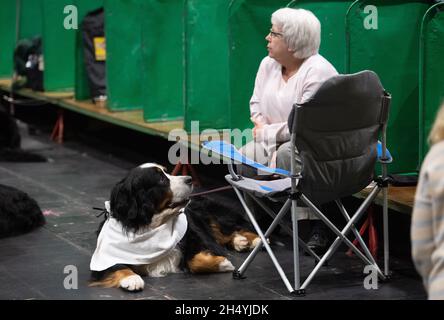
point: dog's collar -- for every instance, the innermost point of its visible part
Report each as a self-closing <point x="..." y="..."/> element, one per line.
<point x="104" y="211"/>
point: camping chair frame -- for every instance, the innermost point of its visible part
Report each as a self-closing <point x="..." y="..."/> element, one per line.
<point x="380" y="183"/>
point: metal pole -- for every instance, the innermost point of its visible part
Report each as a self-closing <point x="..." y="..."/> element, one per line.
<point x="264" y="242"/>
<point x="385" y="204"/>
<point x="294" y="218"/>
<point x="17" y="35"/>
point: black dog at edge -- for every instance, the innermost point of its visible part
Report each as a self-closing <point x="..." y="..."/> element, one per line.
<point x="19" y="213"/>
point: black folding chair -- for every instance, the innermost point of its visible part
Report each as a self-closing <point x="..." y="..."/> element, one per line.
<point x="336" y="136"/>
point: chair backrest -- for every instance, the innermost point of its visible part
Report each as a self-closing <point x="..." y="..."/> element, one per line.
<point x="337" y="133"/>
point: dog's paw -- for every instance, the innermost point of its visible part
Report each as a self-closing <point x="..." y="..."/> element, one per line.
<point x="226" y="266"/>
<point x="255" y="243"/>
<point x="240" y="243"/>
<point x="132" y="283"/>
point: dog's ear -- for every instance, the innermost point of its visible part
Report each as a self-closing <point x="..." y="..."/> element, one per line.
<point x="141" y="207"/>
<point x="119" y="199"/>
<point x="131" y="206"/>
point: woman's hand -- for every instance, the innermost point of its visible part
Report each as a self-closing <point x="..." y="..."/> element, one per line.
<point x="257" y="127"/>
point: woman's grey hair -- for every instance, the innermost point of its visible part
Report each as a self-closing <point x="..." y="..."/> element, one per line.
<point x="301" y="29"/>
<point x="437" y="132"/>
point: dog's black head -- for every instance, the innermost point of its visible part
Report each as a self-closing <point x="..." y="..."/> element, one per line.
<point x="147" y="190"/>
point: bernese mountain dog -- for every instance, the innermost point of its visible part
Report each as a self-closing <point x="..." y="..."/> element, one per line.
<point x="19" y="213"/>
<point x="152" y="228"/>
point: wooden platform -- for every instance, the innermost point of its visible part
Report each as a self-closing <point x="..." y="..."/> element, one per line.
<point x="400" y="199"/>
<point x="129" y="119"/>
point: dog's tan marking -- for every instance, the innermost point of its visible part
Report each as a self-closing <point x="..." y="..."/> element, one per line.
<point x="162" y="217"/>
<point x="253" y="238"/>
<point x="236" y="240"/>
<point x="113" y="279"/>
<point x="221" y="238"/>
<point x="204" y="262"/>
<point x="240" y="243"/>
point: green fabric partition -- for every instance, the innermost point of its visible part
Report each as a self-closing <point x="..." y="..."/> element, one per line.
<point x="387" y="42"/>
<point x="7" y="37"/>
<point x="81" y="81"/>
<point x="163" y="65"/>
<point x="31" y="18"/>
<point x="58" y="47"/>
<point x="249" y="24"/>
<point x="123" y="24"/>
<point x="431" y="85"/>
<point x="207" y="97"/>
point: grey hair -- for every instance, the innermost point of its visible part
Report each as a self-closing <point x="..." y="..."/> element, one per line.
<point x="301" y="29"/>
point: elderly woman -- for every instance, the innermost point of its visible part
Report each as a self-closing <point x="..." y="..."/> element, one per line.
<point x="427" y="229"/>
<point x="291" y="73"/>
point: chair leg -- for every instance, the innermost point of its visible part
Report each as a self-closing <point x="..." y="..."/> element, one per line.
<point x="361" y="232"/>
<point x="372" y="237"/>
<point x="296" y="265"/>
<point x="196" y="180"/>
<point x="185" y="169"/>
<point x="288" y="230"/>
<point x="341" y="236"/>
<point x="372" y="234"/>
<point x="370" y="254"/>
<point x="238" y="274"/>
<point x="177" y="169"/>
<point x="386" y="233"/>
<point x="59" y="128"/>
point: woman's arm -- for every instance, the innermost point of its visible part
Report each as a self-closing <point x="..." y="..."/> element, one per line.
<point x="421" y="228"/>
<point x="436" y="178"/>
<point x="275" y="132"/>
<point x="427" y="230"/>
<point x="256" y="115"/>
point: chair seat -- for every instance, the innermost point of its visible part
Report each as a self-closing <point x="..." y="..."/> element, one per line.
<point x="260" y="188"/>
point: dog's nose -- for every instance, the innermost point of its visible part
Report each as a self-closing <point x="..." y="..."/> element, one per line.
<point x="188" y="180"/>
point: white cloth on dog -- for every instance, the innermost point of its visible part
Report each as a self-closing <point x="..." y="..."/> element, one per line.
<point x="146" y="246"/>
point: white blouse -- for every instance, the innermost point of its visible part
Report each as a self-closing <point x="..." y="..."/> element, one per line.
<point x="273" y="98"/>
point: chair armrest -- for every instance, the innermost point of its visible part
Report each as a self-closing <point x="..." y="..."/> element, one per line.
<point x="229" y="151"/>
<point x="388" y="156"/>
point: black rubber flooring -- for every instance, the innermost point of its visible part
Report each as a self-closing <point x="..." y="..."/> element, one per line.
<point x="80" y="177"/>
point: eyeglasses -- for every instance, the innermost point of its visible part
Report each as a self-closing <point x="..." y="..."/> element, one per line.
<point x="275" y="34"/>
